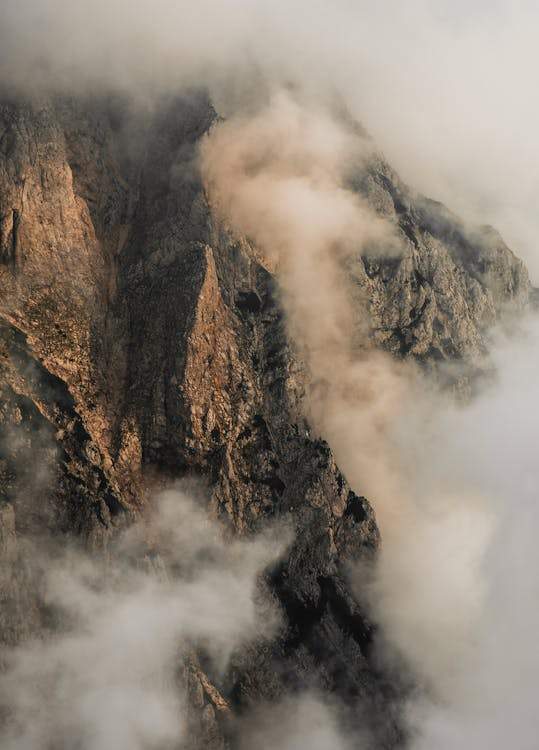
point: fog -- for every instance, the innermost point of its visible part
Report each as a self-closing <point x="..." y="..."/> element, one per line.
<point x="485" y="537"/>
<point x="126" y="625"/>
<point x="446" y="90"/>
<point x="445" y="477"/>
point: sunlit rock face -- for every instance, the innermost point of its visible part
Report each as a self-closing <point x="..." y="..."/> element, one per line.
<point x="142" y="343"/>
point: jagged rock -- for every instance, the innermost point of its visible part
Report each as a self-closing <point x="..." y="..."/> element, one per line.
<point x="438" y="299"/>
<point x="141" y="343"/>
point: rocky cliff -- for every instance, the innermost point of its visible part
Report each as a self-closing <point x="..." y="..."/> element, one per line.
<point x="141" y="343"/>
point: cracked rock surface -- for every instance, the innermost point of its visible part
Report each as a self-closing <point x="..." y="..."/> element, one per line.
<point x="140" y="343"/>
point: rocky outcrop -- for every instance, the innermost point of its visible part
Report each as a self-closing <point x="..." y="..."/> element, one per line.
<point x="141" y="343"/>
<point x="437" y="301"/>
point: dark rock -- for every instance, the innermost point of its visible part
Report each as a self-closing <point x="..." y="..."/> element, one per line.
<point x="140" y="343"/>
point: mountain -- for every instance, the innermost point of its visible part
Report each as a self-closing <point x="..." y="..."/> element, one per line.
<point x="142" y="344"/>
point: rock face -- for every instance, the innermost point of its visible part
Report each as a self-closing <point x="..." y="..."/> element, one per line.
<point x="438" y="300"/>
<point x="140" y="343"/>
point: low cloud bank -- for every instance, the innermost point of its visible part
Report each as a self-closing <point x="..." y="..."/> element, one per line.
<point x="109" y="674"/>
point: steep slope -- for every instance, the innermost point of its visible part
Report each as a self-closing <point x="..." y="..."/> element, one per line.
<point x="437" y="301"/>
<point x="140" y="343"/>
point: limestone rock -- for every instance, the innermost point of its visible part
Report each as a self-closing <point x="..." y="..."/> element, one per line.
<point x="140" y="343"/>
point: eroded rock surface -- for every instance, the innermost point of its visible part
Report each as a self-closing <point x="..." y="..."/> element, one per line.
<point x="437" y="301"/>
<point x="139" y="343"/>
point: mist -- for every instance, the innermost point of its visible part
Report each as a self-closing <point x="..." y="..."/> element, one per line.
<point x="305" y="721"/>
<point x="445" y="88"/>
<point x="481" y="457"/>
<point x="446" y="91"/>
<point x="126" y="626"/>
<point x="279" y="176"/>
<point x="444" y="477"/>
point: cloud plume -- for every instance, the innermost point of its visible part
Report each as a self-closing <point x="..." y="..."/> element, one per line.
<point x="110" y="672"/>
<point x="432" y="468"/>
<point x="444" y="89"/>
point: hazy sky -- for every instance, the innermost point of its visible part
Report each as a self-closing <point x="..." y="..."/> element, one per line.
<point x="447" y="88"/>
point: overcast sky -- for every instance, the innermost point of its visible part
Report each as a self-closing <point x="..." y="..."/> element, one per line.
<point x="448" y="88"/>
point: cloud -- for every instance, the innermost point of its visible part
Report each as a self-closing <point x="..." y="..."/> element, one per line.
<point x="446" y="88"/>
<point x="108" y="674"/>
<point x="447" y="91"/>
<point x="442" y="476"/>
<point x="279" y="176"/>
<point x="305" y="721"/>
<point x="488" y="447"/>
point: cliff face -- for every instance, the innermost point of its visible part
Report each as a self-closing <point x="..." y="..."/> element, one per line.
<point x="141" y="343"/>
<point x="438" y="300"/>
